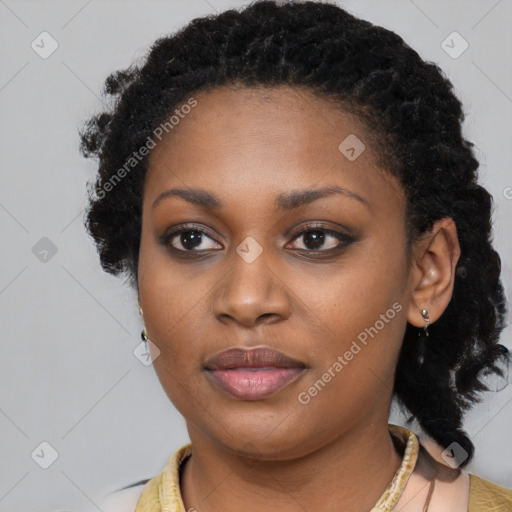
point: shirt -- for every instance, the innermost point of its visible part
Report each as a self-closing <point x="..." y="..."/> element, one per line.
<point x="454" y="490"/>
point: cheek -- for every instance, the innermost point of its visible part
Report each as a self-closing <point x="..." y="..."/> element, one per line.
<point x="355" y="372"/>
<point x="367" y="292"/>
<point x="171" y="302"/>
<point x="363" y="313"/>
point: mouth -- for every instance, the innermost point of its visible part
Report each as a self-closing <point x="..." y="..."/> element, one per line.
<point x="252" y="374"/>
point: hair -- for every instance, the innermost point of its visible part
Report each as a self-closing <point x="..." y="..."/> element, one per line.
<point x="407" y="102"/>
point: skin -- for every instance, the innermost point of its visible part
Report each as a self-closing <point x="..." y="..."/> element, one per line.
<point x="246" y="146"/>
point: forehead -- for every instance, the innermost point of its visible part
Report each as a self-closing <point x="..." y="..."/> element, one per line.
<point x="290" y="118"/>
<point x="268" y="138"/>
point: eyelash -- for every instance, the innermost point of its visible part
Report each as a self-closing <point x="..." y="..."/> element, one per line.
<point x="344" y="239"/>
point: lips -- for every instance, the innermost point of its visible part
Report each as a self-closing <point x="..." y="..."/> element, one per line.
<point x="252" y="374"/>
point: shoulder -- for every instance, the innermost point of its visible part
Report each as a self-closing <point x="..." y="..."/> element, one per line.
<point x="145" y="496"/>
<point x="469" y="492"/>
<point x="124" y="500"/>
<point x="486" y="496"/>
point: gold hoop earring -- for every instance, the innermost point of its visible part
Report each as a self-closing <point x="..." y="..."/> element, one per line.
<point x="426" y="317"/>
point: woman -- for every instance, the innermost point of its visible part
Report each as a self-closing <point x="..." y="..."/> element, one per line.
<point x="288" y="190"/>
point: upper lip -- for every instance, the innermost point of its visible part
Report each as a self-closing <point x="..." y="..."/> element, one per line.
<point x="261" y="357"/>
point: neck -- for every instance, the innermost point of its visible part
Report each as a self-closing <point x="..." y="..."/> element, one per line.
<point x="352" y="470"/>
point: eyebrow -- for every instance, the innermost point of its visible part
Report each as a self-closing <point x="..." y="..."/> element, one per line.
<point x="285" y="201"/>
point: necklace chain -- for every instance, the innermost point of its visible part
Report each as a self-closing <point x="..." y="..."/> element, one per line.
<point x="429" y="495"/>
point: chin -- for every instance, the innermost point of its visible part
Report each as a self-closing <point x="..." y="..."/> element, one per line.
<point x="264" y="435"/>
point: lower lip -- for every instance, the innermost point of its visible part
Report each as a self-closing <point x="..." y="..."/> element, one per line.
<point x="253" y="384"/>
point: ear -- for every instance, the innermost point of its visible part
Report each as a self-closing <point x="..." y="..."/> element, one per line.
<point x="435" y="258"/>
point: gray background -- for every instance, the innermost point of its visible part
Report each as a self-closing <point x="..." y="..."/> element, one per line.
<point x="68" y="373"/>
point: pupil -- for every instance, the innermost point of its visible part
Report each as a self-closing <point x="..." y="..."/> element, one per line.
<point x="190" y="239"/>
<point x="315" y="237"/>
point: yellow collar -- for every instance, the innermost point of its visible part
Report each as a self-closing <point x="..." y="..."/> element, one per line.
<point x="395" y="488"/>
<point x="162" y="493"/>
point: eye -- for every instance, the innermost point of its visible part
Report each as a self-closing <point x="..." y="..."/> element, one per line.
<point x="189" y="239"/>
<point x="315" y="238"/>
<point x="318" y="238"/>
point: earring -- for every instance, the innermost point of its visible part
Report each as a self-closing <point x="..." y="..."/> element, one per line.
<point x="144" y="336"/>
<point x="144" y="333"/>
<point x="426" y="317"/>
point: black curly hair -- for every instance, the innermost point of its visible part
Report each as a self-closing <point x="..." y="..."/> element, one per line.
<point x="408" y="103"/>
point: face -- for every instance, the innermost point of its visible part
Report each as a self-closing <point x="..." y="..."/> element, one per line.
<point x="273" y="271"/>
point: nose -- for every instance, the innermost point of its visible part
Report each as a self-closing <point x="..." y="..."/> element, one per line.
<point x="251" y="293"/>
